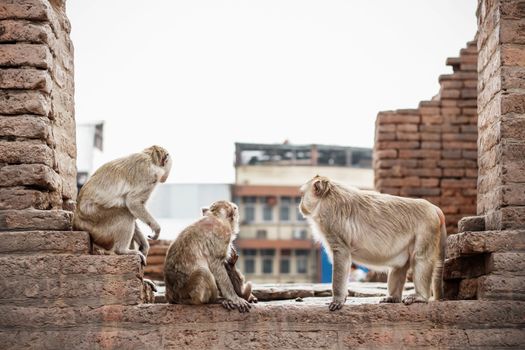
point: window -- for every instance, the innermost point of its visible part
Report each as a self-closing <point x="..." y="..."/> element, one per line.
<point x="299" y="216"/>
<point x="249" y="208"/>
<point x="302" y="260"/>
<point x="284" y="209"/>
<point x="300" y="233"/>
<point x="249" y="260"/>
<point x="267" y="260"/>
<point x="284" y="265"/>
<point x="261" y="234"/>
<point x="267" y="208"/>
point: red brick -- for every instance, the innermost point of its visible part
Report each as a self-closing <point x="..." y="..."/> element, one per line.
<point x="388" y="153"/>
<point x="432" y="119"/>
<point x="404" y="153"/>
<point x="383" y="136"/>
<point x="398" y="144"/>
<point x="397" y="119"/>
<point x="406" y="127"/>
<point x="430" y="145"/>
<point x="18" y="55"/>
<point x="408" y="136"/>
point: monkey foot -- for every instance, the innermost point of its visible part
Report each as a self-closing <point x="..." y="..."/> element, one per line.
<point x="242" y="305"/>
<point x="413" y="298"/>
<point x="390" y="299"/>
<point x="336" y="305"/>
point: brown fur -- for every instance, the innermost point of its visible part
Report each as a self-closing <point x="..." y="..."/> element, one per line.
<point x="115" y="196"/>
<point x="244" y="290"/>
<point x="378" y="231"/>
<point x="195" y="262"/>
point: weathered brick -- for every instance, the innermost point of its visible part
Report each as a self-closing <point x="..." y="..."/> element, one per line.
<point x="22" y="198"/>
<point x="467" y="243"/>
<point x="471" y="223"/>
<point x="24" y="102"/>
<point x="44" y="242"/>
<point x="397" y="119"/>
<point x="27" y="152"/>
<point x="37" y="175"/>
<point x="22" y="55"/>
<point x="32" y="219"/>
<point x="25" y="126"/>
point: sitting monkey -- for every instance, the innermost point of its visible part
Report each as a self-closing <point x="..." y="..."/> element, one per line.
<point x="115" y="196"/>
<point x="195" y="261"/>
<point x="377" y="230"/>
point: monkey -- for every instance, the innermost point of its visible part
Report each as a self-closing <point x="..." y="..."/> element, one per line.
<point x="242" y="289"/>
<point x="194" y="268"/>
<point x="377" y="230"/>
<point x="114" y="197"/>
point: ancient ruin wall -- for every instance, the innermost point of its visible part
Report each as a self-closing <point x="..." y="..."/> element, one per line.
<point x="501" y="108"/>
<point x="489" y="263"/>
<point x="430" y="152"/>
<point x="37" y="125"/>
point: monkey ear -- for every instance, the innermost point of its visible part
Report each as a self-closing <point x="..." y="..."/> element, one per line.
<point x="205" y="210"/>
<point x="321" y="187"/>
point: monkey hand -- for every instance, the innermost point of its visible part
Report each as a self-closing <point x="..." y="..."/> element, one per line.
<point x="238" y="303"/>
<point x="252" y="299"/>
<point x="336" y="304"/>
<point x="155" y="227"/>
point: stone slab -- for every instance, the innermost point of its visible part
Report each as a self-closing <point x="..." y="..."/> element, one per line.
<point x="44" y="242"/>
<point x="467" y="243"/>
<point x="33" y="219"/>
<point x="288" y="324"/>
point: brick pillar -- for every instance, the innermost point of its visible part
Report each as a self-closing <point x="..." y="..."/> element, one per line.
<point x="501" y="109"/>
<point x="37" y="124"/>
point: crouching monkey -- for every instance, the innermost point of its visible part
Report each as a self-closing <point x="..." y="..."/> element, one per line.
<point x="194" y="269"/>
<point x="378" y="231"/>
<point x="115" y="196"/>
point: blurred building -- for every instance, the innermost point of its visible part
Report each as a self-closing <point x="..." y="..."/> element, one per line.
<point x="176" y="206"/>
<point x="90" y="144"/>
<point x="275" y="242"/>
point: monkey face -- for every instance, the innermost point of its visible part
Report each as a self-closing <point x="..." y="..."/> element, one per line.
<point x="167" y="168"/>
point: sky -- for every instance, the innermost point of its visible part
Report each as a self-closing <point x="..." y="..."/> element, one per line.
<point x="197" y="76"/>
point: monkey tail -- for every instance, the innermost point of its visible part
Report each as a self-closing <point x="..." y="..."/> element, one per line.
<point x="437" y="274"/>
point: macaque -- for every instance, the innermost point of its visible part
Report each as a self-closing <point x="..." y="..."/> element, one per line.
<point x="244" y="290"/>
<point x="194" y="269"/>
<point x="115" y="196"/>
<point x="378" y="231"/>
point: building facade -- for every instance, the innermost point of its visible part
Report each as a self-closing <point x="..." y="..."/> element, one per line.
<point x="275" y="243"/>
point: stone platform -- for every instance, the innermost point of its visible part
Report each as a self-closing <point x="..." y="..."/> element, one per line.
<point x="288" y="324"/>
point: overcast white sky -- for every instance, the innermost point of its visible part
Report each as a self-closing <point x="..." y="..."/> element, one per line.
<point x="196" y="76"/>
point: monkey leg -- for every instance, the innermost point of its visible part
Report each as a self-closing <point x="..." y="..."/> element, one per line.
<point x="201" y="287"/>
<point x="341" y="270"/>
<point x="396" y="281"/>
<point x="141" y="240"/>
<point x="422" y="281"/>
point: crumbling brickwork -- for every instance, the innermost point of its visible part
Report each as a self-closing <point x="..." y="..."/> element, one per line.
<point x="430" y="152"/>
<point x="37" y="124"/>
<point x="487" y="260"/>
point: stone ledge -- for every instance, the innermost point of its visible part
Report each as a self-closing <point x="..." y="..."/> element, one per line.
<point x="44" y="242"/>
<point x="283" y="324"/>
<point x="32" y="219"/>
<point x="468" y="243"/>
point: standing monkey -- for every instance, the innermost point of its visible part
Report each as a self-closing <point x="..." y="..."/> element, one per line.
<point x="377" y="230"/>
<point x="115" y="196"/>
<point x="195" y="261"/>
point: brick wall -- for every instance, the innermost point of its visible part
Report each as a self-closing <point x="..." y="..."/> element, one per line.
<point x="501" y="186"/>
<point x="37" y="125"/>
<point x="487" y="260"/>
<point x="431" y="152"/>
